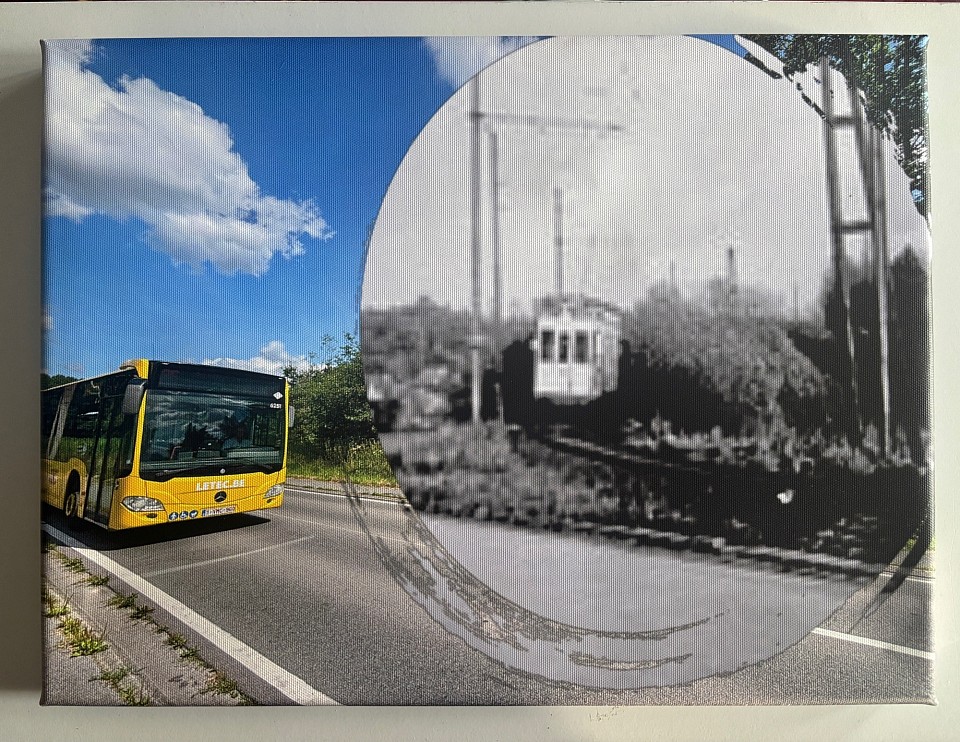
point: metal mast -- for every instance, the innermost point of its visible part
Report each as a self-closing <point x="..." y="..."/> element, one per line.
<point x="838" y="311"/>
<point x="869" y="150"/>
<point x="497" y="267"/>
<point x="870" y="155"/>
<point x="476" y="213"/>
<point x="475" y="262"/>
<point x="558" y="238"/>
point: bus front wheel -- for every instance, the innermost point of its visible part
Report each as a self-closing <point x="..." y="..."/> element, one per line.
<point x="71" y="500"/>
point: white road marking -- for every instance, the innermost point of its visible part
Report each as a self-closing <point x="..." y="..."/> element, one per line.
<point x="334" y="527"/>
<point x="909" y="578"/>
<point x="327" y="493"/>
<point x="292" y="687"/>
<point x="874" y="643"/>
<point x="227" y="558"/>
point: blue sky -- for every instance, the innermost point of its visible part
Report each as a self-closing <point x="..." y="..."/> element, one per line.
<point x="208" y="200"/>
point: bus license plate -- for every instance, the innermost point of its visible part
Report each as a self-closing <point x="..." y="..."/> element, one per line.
<point x="218" y="511"/>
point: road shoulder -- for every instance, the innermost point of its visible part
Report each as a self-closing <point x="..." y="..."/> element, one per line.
<point x="102" y="648"/>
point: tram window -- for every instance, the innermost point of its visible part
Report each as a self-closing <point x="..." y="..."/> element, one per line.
<point x="563" y="348"/>
<point x="580" y="351"/>
<point x="546" y="345"/>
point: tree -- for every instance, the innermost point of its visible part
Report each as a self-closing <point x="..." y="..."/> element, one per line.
<point x="330" y="399"/>
<point x="47" y="381"/>
<point x="890" y="70"/>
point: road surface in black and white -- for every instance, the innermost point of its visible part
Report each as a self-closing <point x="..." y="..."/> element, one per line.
<point x="304" y="588"/>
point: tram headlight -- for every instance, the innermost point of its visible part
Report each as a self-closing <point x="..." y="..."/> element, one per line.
<point x="141" y="504"/>
<point x="274" y="491"/>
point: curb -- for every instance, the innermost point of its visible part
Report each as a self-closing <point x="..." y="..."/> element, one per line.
<point x="339" y="488"/>
<point x="142" y="664"/>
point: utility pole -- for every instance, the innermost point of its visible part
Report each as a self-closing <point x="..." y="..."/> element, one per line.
<point x="870" y="156"/>
<point x="540" y="122"/>
<point x="494" y="146"/>
<point x="558" y="239"/>
<point x="732" y="279"/>
<point x="881" y="265"/>
<point x="838" y="312"/>
<point x="476" y="371"/>
<point x="477" y="117"/>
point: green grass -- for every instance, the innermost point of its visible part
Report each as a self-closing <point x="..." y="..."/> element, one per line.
<point x="80" y="639"/>
<point x="74" y="565"/>
<point x="113" y="676"/>
<point x="177" y="641"/>
<point x="97" y="580"/>
<point x="190" y="654"/>
<point x="128" y="694"/>
<point x="123" y="601"/>
<point x="219" y="683"/>
<point x="54" y="608"/>
<point x="132" y="696"/>
<point x="363" y="463"/>
<point x="141" y="612"/>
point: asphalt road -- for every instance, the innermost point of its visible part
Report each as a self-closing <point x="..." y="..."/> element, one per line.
<point x="310" y="597"/>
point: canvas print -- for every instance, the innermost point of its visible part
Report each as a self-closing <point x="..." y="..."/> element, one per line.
<point x="507" y="370"/>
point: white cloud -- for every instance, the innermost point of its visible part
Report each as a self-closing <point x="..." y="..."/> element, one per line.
<point x="458" y="58"/>
<point x="47" y="321"/>
<point x="272" y="359"/>
<point x="139" y="151"/>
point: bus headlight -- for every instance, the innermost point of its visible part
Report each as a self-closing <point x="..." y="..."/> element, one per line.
<point x="274" y="491"/>
<point x="141" y="504"/>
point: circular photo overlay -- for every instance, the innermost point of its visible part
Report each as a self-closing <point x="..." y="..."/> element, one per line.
<point x="627" y="354"/>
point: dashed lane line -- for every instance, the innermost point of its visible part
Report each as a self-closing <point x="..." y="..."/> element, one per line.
<point x="204" y="563"/>
<point x="288" y="684"/>
<point x="874" y="643"/>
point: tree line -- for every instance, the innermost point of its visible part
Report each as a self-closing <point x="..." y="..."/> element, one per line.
<point x="890" y="71"/>
<point x="329" y="396"/>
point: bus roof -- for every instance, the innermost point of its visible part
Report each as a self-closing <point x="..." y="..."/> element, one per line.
<point x="141" y="367"/>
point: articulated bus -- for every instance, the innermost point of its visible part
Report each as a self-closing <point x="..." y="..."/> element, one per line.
<point x="157" y="442"/>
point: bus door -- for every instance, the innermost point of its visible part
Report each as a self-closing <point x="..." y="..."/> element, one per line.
<point x="105" y="462"/>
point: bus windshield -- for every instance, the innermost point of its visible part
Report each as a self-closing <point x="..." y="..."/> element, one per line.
<point x="189" y="433"/>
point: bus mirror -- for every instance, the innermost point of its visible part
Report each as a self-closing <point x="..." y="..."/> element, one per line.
<point x="291" y="413"/>
<point x="132" y="397"/>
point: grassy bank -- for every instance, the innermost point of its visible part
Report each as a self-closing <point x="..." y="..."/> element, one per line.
<point x="363" y="463"/>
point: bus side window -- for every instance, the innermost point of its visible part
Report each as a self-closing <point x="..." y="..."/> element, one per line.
<point x="50" y="403"/>
<point x="81" y="424"/>
<point x="61" y="414"/>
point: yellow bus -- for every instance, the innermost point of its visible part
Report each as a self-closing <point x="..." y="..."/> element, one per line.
<point x="159" y="442"/>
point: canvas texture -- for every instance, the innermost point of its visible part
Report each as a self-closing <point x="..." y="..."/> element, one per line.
<point x="500" y="371"/>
